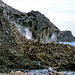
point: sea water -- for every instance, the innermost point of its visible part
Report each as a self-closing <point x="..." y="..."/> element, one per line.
<point x="44" y="71"/>
<point x="70" y="43"/>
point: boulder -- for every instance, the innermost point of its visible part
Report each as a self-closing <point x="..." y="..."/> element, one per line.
<point x="12" y="73"/>
<point x="55" y="73"/>
<point x="19" y="73"/>
<point x="59" y="73"/>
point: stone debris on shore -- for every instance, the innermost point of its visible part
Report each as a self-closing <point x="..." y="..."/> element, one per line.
<point x="22" y="73"/>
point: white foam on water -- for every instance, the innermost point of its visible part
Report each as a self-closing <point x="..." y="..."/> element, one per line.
<point x="44" y="71"/>
<point x="50" y="69"/>
<point x="69" y="72"/>
<point x="40" y="71"/>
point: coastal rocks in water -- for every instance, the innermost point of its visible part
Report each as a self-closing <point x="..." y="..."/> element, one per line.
<point x="22" y="73"/>
<point x="55" y="73"/>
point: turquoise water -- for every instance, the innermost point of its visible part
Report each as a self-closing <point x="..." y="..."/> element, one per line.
<point x="70" y="43"/>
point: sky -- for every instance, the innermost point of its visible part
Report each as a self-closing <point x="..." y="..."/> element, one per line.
<point x="60" y="12"/>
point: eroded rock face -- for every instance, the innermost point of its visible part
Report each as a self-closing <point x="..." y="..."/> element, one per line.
<point x="65" y="36"/>
<point x="40" y="28"/>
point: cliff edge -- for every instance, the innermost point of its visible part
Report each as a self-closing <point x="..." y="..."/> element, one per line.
<point x="35" y="26"/>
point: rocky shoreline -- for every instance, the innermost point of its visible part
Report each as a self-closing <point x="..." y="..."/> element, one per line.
<point x="16" y="51"/>
<point x="22" y="73"/>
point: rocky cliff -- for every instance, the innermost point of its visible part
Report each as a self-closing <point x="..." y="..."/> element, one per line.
<point x="66" y="36"/>
<point x="17" y="52"/>
<point x="34" y="25"/>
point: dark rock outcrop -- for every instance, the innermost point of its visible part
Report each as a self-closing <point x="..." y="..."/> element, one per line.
<point x="18" y="52"/>
<point x="65" y="36"/>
